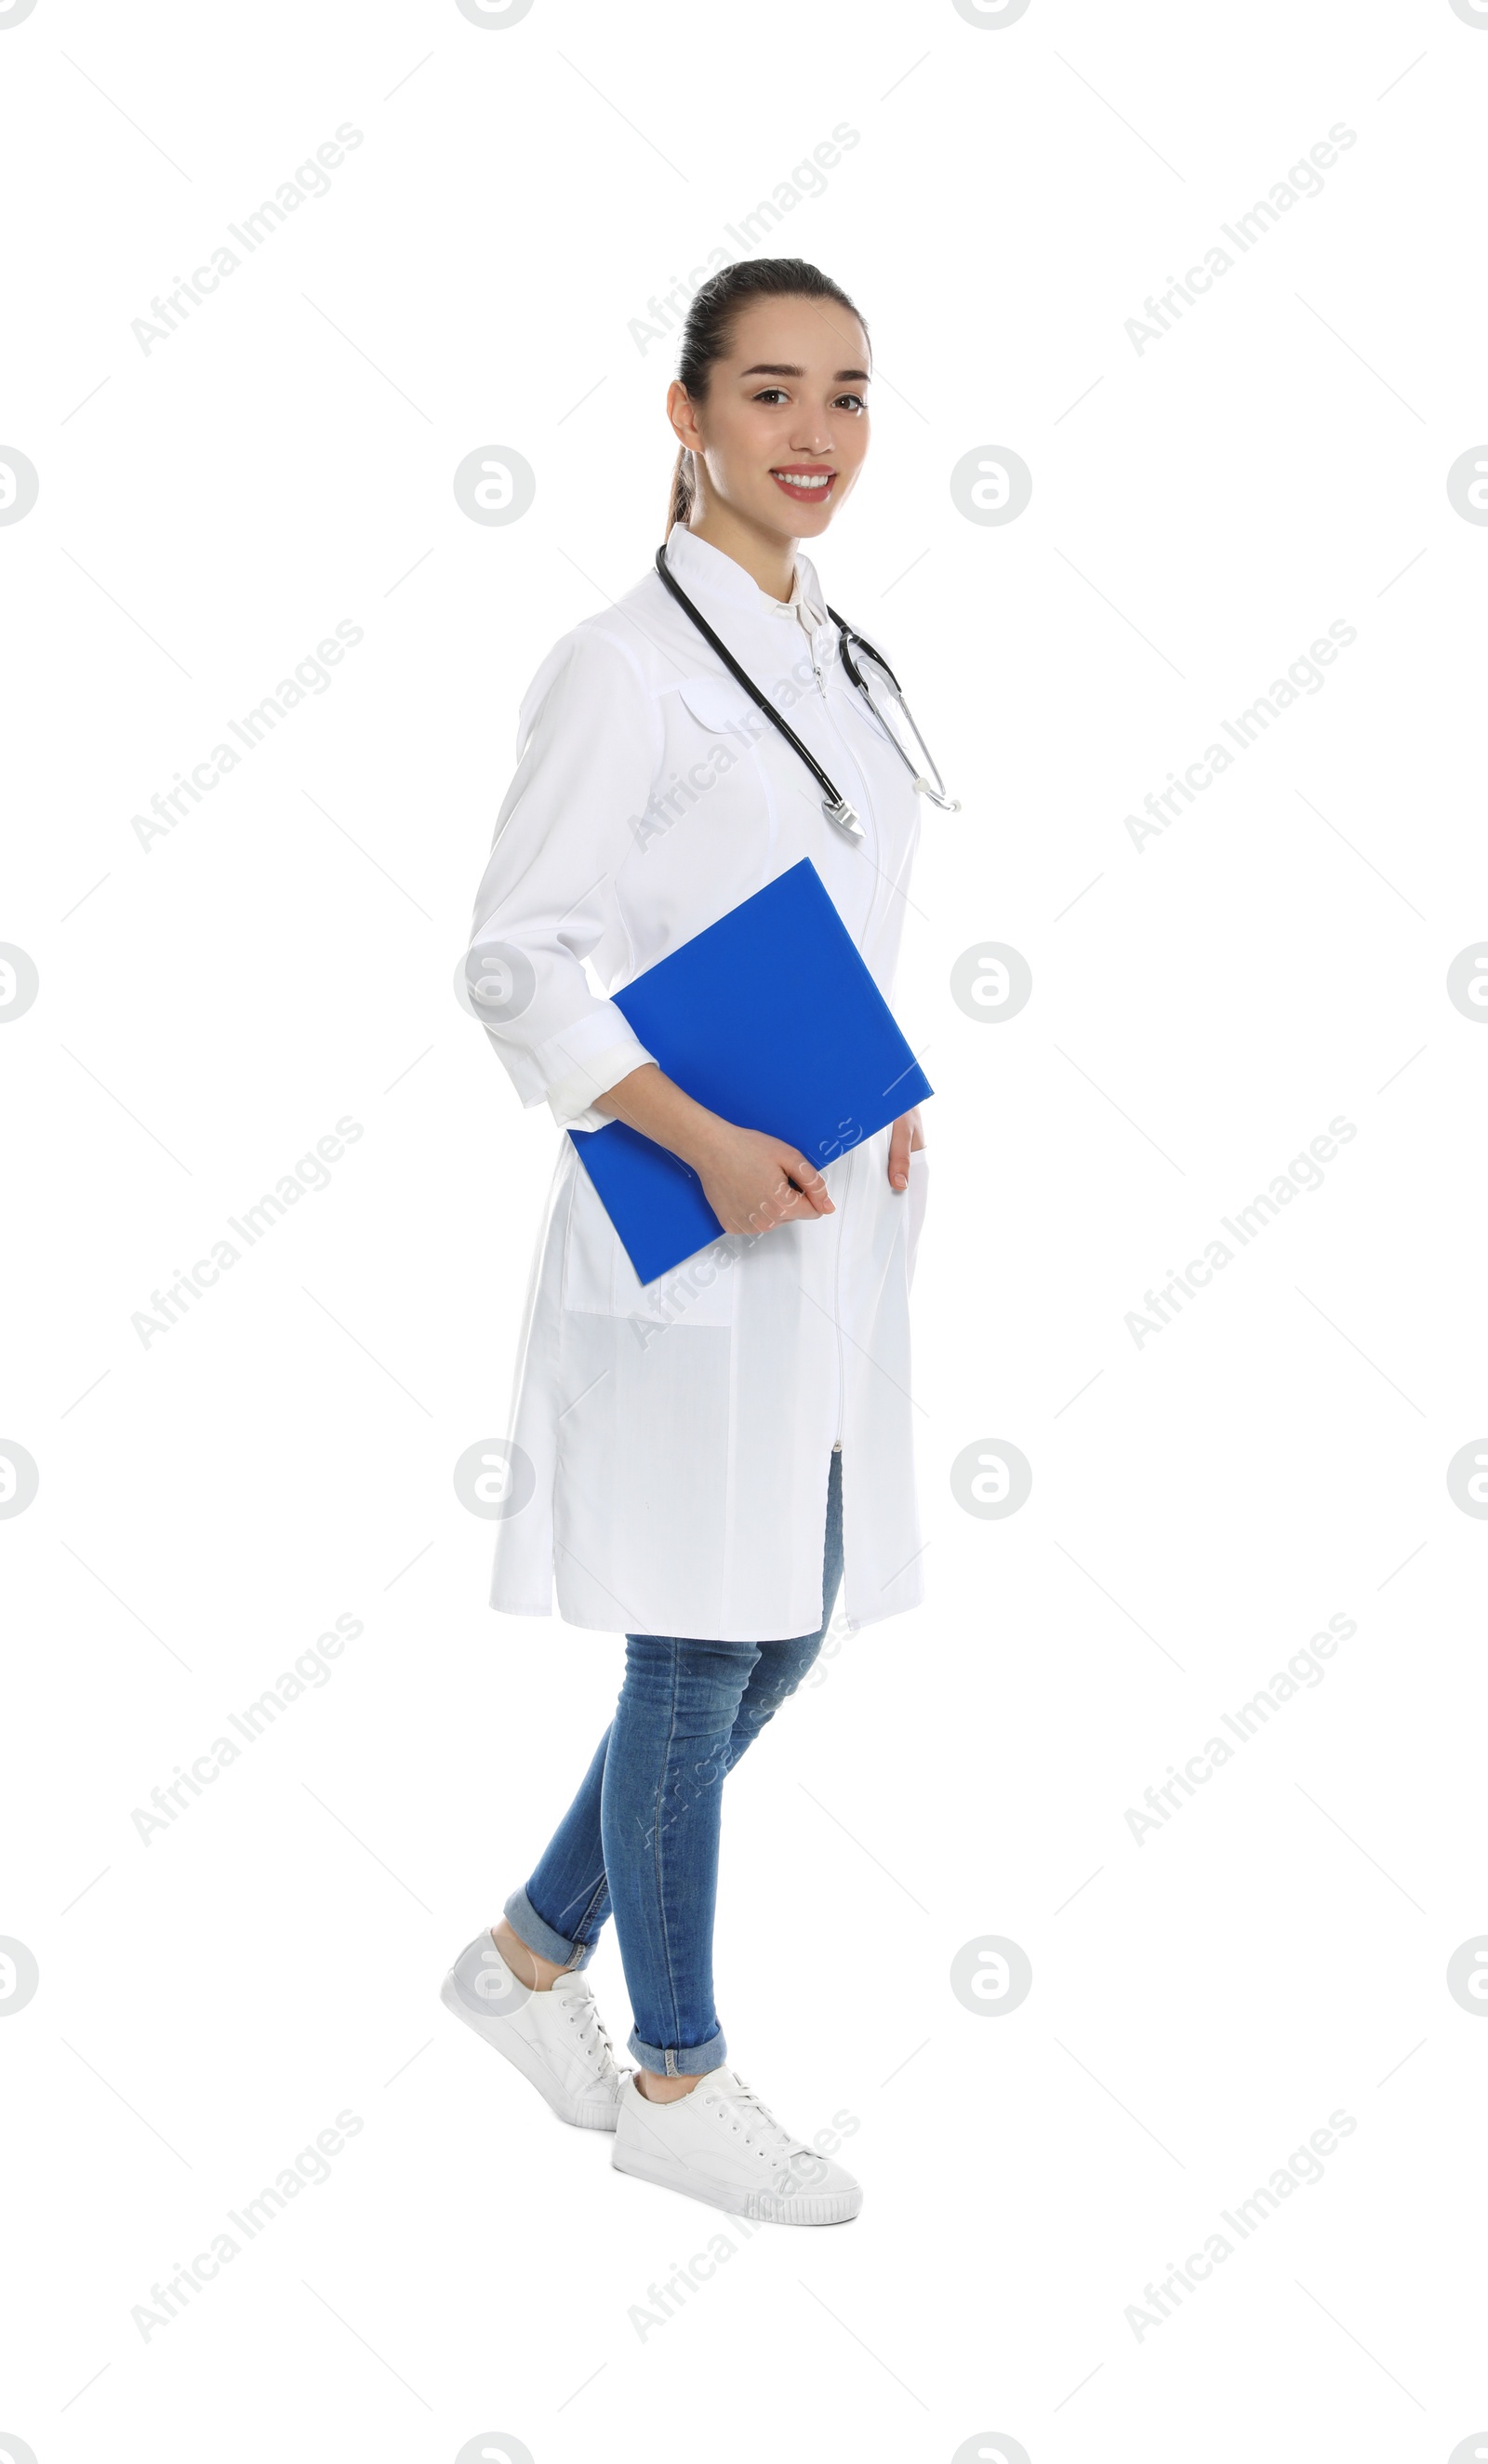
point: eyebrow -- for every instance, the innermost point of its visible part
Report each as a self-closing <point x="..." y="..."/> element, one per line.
<point x="765" y="369"/>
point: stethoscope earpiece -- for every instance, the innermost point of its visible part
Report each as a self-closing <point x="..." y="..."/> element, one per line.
<point x="946" y="804"/>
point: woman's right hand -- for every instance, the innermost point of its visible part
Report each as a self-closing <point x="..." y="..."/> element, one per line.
<point x="754" y="1182"/>
<point x="751" y="1181"/>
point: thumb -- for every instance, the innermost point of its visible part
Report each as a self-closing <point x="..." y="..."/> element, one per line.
<point x="808" y="1180"/>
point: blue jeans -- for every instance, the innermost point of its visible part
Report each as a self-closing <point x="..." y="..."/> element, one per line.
<point x="641" y="1834"/>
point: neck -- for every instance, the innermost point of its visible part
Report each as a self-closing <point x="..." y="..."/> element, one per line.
<point x="768" y="559"/>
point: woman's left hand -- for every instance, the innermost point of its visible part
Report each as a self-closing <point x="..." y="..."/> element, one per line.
<point x="905" y="1137"/>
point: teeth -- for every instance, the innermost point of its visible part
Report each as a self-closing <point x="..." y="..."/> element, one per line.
<point x="800" y="480"/>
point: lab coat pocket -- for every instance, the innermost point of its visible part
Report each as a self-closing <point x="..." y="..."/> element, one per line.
<point x="600" y="1281"/>
<point x="721" y="705"/>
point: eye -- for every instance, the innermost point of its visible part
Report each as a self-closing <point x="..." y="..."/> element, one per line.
<point x="769" y="393"/>
<point x="853" y="400"/>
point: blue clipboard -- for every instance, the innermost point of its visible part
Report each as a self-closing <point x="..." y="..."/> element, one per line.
<point x="772" y="1020"/>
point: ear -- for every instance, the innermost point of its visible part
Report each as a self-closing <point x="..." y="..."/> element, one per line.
<point x="683" y="416"/>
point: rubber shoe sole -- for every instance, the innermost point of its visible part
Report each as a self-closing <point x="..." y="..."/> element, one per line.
<point x="523" y="2057"/>
<point x="756" y="2206"/>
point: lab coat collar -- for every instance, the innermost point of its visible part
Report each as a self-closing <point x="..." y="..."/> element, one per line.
<point x="706" y="574"/>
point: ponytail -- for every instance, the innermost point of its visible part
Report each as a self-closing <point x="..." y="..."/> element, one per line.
<point x="709" y="330"/>
<point x="683" y="488"/>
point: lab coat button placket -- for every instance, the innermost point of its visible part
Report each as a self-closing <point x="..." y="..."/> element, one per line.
<point x="837" y="1299"/>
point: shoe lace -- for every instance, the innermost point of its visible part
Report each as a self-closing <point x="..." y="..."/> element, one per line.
<point x="750" y="2114"/>
<point x="594" y="2036"/>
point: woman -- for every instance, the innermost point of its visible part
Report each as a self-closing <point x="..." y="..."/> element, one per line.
<point x="693" y="1459"/>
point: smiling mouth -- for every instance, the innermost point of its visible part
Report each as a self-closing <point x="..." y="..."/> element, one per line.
<point x="807" y="486"/>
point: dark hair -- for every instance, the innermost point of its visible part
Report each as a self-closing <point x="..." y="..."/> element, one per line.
<point x="709" y="330"/>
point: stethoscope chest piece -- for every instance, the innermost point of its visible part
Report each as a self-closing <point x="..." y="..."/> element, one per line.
<point x="839" y="812"/>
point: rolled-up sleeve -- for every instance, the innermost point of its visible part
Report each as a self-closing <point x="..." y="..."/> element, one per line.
<point x="588" y="748"/>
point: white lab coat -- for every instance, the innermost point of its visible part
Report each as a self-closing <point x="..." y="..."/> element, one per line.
<point x="670" y="1443"/>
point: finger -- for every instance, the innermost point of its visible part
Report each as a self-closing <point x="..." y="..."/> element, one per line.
<point x="899" y="1155"/>
<point x="803" y="1205"/>
<point x="783" y="1206"/>
<point x="788" y="1209"/>
<point x="808" y="1180"/>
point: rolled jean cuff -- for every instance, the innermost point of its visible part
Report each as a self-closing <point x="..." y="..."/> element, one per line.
<point x="682" y="2062"/>
<point x="541" y="1937"/>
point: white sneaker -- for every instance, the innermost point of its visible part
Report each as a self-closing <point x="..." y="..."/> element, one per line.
<point x="719" y="2143"/>
<point x="557" y="2039"/>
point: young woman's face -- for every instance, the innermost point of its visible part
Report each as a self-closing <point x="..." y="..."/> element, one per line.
<point x="783" y="431"/>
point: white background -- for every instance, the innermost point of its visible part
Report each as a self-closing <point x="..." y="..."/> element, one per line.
<point x="1201" y="1505"/>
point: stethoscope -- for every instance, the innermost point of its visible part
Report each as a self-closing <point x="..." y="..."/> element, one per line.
<point x="834" y="804"/>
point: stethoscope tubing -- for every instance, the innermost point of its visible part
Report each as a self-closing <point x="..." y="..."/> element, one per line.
<point x="835" y="804"/>
<point x="936" y="793"/>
